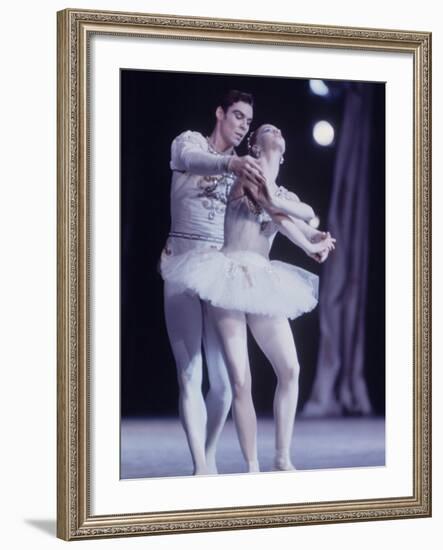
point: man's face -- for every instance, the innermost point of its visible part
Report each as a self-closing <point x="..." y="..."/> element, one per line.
<point x="234" y="123"/>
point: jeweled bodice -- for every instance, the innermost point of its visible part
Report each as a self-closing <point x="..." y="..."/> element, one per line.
<point x="198" y="200"/>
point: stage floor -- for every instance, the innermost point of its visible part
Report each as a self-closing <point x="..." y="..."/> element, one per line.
<point x="158" y="448"/>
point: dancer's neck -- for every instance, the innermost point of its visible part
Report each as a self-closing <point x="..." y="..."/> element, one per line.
<point x="270" y="162"/>
<point x="217" y="142"/>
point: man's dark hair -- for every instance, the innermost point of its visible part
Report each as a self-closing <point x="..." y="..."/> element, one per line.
<point x="233" y="96"/>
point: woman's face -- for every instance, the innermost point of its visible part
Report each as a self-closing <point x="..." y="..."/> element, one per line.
<point x="270" y="137"/>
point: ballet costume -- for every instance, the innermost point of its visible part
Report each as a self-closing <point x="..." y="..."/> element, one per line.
<point x="240" y="276"/>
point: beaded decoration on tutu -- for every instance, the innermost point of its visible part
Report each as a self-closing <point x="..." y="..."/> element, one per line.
<point x="243" y="281"/>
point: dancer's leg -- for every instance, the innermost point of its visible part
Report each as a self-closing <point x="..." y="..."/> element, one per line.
<point x="231" y="328"/>
<point x="219" y="396"/>
<point x="274" y="336"/>
<point x="184" y="324"/>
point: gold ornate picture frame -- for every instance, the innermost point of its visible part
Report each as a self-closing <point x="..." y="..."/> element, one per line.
<point x="76" y="517"/>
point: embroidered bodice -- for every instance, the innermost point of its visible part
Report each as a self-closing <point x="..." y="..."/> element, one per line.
<point x="200" y="187"/>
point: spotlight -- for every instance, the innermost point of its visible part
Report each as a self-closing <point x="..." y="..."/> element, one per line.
<point x="323" y="133"/>
<point x="318" y="87"/>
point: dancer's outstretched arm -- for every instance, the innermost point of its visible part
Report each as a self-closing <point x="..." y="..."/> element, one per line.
<point x="314" y="235"/>
<point x="288" y="203"/>
<point x="281" y="201"/>
<point x="288" y="227"/>
<point x="316" y="244"/>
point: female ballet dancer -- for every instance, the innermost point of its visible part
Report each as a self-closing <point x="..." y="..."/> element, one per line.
<point x="241" y="287"/>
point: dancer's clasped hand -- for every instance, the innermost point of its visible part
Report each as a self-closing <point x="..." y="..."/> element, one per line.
<point x="249" y="168"/>
<point x="324" y="244"/>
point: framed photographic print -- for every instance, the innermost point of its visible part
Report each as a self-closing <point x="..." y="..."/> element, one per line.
<point x="243" y="274"/>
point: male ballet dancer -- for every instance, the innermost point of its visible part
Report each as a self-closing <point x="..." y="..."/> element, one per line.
<point x="203" y="171"/>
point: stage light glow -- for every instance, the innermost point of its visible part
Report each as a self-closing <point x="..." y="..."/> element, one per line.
<point x="318" y="87"/>
<point x="323" y="133"/>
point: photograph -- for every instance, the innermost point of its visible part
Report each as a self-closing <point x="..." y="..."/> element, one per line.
<point x="252" y="273"/>
<point x="220" y="264"/>
<point x="243" y="291"/>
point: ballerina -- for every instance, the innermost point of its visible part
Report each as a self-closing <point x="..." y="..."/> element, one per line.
<point x="241" y="287"/>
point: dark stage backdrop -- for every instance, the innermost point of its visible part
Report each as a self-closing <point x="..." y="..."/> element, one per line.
<point x="157" y="106"/>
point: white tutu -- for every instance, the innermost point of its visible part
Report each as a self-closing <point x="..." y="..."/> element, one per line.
<point x="243" y="281"/>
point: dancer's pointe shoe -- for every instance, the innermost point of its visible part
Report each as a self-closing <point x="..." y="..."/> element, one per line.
<point x="283" y="463"/>
<point x="211" y="465"/>
<point x="201" y="471"/>
<point x="253" y="466"/>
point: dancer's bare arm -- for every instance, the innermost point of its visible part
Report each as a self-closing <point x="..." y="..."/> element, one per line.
<point x="291" y="229"/>
<point x="282" y="201"/>
<point x="288" y="203"/>
<point x="314" y="235"/>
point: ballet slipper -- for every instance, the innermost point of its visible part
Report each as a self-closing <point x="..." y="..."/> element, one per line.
<point x="201" y="471"/>
<point x="282" y="461"/>
<point x="211" y="465"/>
<point x="253" y="466"/>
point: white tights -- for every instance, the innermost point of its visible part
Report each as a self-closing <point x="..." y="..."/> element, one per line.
<point x="187" y="327"/>
<point x="275" y="339"/>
